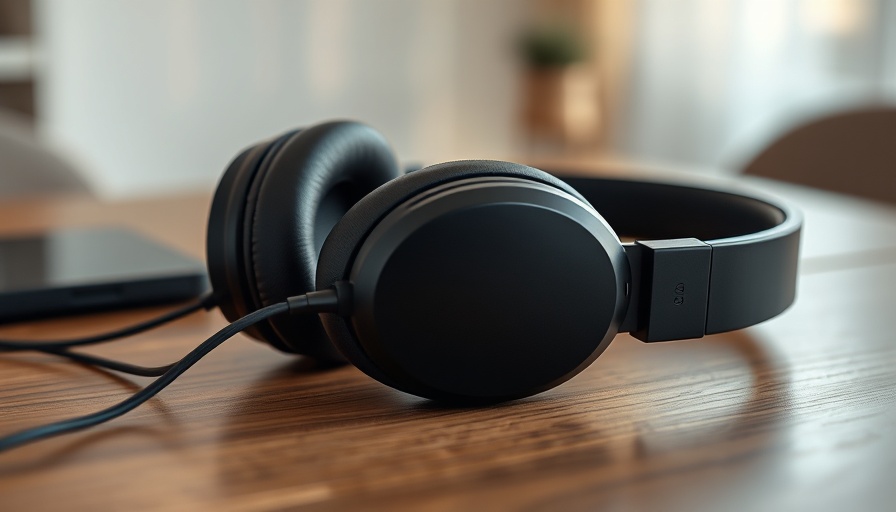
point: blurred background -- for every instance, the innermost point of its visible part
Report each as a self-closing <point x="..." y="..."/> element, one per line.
<point x="122" y="99"/>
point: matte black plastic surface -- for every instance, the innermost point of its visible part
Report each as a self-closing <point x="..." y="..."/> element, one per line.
<point x="488" y="289"/>
<point x="347" y="237"/>
<point x="674" y="289"/>
<point x="752" y="279"/>
<point x="755" y="241"/>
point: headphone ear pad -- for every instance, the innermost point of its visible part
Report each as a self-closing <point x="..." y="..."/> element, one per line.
<point x="345" y="240"/>
<point x="301" y="190"/>
<point x="225" y="248"/>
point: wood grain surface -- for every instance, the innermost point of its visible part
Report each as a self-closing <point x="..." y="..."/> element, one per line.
<point x="798" y="413"/>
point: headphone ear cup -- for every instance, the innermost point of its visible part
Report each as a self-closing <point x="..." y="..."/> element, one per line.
<point x="303" y="186"/>
<point x="225" y="251"/>
<point x="346" y="238"/>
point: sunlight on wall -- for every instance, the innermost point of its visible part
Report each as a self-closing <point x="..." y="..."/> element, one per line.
<point x="711" y="82"/>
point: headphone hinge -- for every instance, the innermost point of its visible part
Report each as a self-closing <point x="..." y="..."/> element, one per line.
<point x="672" y="296"/>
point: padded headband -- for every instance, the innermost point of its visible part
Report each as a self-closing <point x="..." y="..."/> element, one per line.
<point x="721" y="259"/>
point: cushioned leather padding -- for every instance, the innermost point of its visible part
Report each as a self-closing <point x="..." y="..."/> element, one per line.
<point x="226" y="248"/>
<point x="293" y="183"/>
<point x="220" y="254"/>
<point x="348" y="235"/>
<point x="253" y="300"/>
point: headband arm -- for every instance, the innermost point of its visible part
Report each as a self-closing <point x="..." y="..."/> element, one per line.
<point x="706" y="260"/>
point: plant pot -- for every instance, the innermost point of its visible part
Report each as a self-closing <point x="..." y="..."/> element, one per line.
<point x="561" y="107"/>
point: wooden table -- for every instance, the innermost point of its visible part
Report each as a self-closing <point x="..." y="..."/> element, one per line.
<point x="796" y="414"/>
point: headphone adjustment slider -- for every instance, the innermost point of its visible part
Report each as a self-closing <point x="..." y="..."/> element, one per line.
<point x="674" y="290"/>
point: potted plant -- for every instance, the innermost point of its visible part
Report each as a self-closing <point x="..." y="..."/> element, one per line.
<point x="560" y="99"/>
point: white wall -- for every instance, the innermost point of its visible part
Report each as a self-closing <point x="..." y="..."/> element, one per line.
<point x="152" y="96"/>
<point x="712" y="82"/>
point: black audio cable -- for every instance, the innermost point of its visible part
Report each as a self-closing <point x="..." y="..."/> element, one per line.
<point x="313" y="302"/>
<point x="60" y="347"/>
<point x="206" y="302"/>
<point x="111" y="364"/>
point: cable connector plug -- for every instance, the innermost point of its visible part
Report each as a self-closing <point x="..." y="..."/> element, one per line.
<point x="336" y="299"/>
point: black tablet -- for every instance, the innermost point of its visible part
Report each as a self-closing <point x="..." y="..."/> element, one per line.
<point x="87" y="269"/>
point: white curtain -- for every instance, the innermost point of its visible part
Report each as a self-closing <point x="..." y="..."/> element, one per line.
<point x="153" y="96"/>
<point x="710" y="82"/>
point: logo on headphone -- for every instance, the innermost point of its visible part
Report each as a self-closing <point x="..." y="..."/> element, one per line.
<point x="678" y="299"/>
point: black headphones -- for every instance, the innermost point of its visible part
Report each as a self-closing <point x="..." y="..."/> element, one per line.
<point x="481" y="281"/>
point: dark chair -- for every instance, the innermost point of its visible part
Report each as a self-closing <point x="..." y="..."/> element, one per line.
<point x="851" y="152"/>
